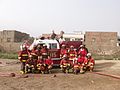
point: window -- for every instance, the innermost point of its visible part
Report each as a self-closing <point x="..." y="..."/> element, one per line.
<point x="8" y="39"/>
<point x="53" y="45"/>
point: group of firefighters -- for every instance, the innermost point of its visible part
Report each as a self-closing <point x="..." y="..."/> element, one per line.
<point x="77" y="60"/>
<point x="38" y="59"/>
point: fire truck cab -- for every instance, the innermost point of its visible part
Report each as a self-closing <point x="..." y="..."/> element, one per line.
<point x="53" y="47"/>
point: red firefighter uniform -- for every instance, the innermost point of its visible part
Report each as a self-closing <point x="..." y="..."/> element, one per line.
<point x="40" y="61"/>
<point x="49" y="64"/>
<point x="30" y="64"/>
<point x="44" y="52"/>
<point x="65" y="62"/>
<point x="89" y="63"/>
<point x="23" y="57"/>
<point x="30" y="61"/>
<point x="81" y="63"/>
<point x="40" y="64"/>
<point x="37" y="51"/>
<point x="34" y="54"/>
<point x="82" y="51"/>
<point x="81" y="60"/>
<point x="63" y="51"/>
<point x="76" y="67"/>
<point x="72" y="54"/>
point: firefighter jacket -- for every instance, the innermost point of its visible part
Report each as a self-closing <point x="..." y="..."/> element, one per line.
<point x="63" y="52"/>
<point x="23" y="55"/>
<point x="89" y="61"/>
<point x="72" y="54"/>
<point x="48" y="62"/>
<point x="82" y="52"/>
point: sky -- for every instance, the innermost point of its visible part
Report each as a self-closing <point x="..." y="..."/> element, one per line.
<point x="42" y="16"/>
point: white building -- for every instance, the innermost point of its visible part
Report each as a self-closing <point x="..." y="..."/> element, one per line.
<point x="75" y="36"/>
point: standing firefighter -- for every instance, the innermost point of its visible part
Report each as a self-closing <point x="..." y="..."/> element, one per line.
<point x="72" y="54"/>
<point x="63" y="51"/>
<point x="89" y="63"/>
<point x="44" y="52"/>
<point x="82" y="51"/>
<point x="23" y="57"/>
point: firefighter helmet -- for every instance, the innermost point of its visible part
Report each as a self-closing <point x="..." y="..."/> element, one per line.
<point x="89" y="54"/>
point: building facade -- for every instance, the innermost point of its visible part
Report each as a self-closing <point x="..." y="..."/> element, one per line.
<point x="102" y="43"/>
<point x="10" y="40"/>
<point x="75" y="36"/>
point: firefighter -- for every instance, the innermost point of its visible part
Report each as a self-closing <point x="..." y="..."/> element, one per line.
<point x="23" y="57"/>
<point x="82" y="51"/>
<point x="72" y="54"/>
<point x="44" y="52"/>
<point x="89" y="63"/>
<point x="41" y="67"/>
<point x="81" y="63"/>
<point x="26" y="44"/>
<point x="30" y="64"/>
<point x="36" y="52"/>
<point x="33" y="52"/>
<point x="76" y="67"/>
<point x="49" y="64"/>
<point x="65" y="64"/>
<point x="63" y="51"/>
<point x="53" y="35"/>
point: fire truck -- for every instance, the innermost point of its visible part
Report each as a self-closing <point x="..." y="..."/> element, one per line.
<point x="54" y="47"/>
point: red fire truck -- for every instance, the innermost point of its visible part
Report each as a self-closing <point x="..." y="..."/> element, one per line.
<point x="54" y="47"/>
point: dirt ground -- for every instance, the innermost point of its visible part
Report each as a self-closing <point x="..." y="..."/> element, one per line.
<point x="87" y="81"/>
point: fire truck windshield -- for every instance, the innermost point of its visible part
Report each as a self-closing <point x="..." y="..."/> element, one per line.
<point x="53" y="45"/>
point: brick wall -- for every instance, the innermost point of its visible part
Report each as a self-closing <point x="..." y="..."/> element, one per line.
<point x="104" y="43"/>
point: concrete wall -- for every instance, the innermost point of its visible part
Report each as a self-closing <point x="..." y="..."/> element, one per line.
<point x="10" y="47"/>
<point x="6" y="36"/>
<point x="10" y="40"/>
<point x="103" y="43"/>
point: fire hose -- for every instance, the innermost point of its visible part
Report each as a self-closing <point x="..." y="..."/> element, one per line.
<point x="109" y="75"/>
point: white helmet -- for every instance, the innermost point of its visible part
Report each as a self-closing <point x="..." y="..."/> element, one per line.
<point x="63" y="45"/>
<point x="44" y="45"/>
<point x="89" y="54"/>
<point x="64" y="56"/>
<point x="81" y="45"/>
